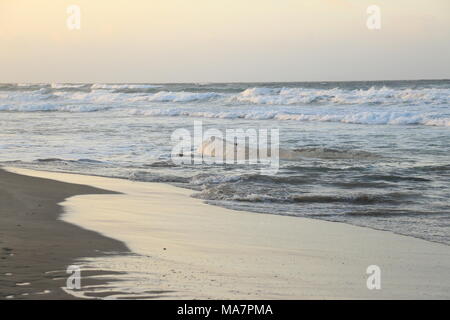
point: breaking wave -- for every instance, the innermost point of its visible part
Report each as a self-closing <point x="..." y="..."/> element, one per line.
<point x="225" y="193"/>
<point x="67" y="86"/>
<point x="280" y="96"/>
<point x="383" y="95"/>
<point x="47" y="107"/>
<point x="123" y="86"/>
<point x="167" y="96"/>
<point x="373" y="105"/>
<point x="367" y="117"/>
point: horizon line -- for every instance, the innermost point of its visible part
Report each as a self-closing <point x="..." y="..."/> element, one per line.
<point x="228" y="82"/>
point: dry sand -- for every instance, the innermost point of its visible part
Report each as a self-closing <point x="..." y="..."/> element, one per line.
<point x="188" y="249"/>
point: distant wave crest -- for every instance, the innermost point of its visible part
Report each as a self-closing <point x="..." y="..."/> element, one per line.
<point x="383" y="95"/>
<point x="370" y="118"/>
<point x="379" y="105"/>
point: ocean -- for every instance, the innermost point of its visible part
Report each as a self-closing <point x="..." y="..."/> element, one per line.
<point x="373" y="154"/>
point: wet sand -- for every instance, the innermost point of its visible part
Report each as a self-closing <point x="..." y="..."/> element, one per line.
<point x="35" y="247"/>
<point x="191" y="250"/>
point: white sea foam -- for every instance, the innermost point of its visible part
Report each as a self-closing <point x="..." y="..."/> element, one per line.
<point x="384" y="95"/>
<point x="39" y="107"/>
<point x="66" y="85"/>
<point x="33" y="96"/>
<point x="376" y="105"/>
<point x="123" y="86"/>
<point x="371" y="118"/>
<point x="57" y="101"/>
<point x="24" y="85"/>
<point x="349" y="140"/>
<point x="166" y="96"/>
<point x="203" y="179"/>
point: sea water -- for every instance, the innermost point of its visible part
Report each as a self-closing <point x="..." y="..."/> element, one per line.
<point x="374" y="154"/>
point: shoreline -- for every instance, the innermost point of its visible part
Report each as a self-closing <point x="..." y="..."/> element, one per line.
<point x="10" y="167"/>
<point x="186" y="249"/>
<point x="36" y="247"/>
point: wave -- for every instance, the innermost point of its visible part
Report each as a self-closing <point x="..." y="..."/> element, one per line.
<point x="65" y="99"/>
<point x="104" y="86"/>
<point x="395" y="178"/>
<point x="167" y="96"/>
<point x="226" y="193"/>
<point x="307" y="96"/>
<point x="329" y="153"/>
<point x="160" y="164"/>
<point x="52" y="107"/>
<point x="49" y="160"/>
<point x="368" y="117"/>
<point x="373" y="95"/>
<point x="206" y="179"/>
<point x="266" y="95"/>
<point x="219" y="148"/>
<point x="432" y="168"/>
<point x="203" y="179"/>
<point x="408" y="106"/>
<point x="96" y="99"/>
<point x="30" y="85"/>
<point x="67" y="86"/>
<point x="154" y="177"/>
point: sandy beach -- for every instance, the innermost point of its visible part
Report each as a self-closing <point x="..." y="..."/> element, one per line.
<point x="36" y="247"/>
<point x="184" y="248"/>
<point x="220" y="158"/>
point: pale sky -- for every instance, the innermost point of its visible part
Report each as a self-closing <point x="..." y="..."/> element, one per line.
<point x="223" y="40"/>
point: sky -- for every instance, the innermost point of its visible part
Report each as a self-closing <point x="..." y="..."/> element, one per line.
<point x="155" y="41"/>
